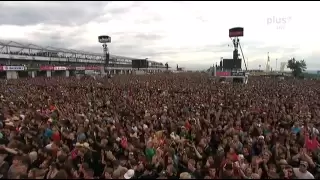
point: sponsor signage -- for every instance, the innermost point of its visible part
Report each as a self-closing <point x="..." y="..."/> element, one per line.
<point x="237" y="73"/>
<point x="64" y="68"/>
<point x="21" y="57"/>
<point x="104" y="39"/>
<point x="33" y="68"/>
<point x="14" y="68"/>
<point x="59" y="68"/>
<point x="54" y="59"/>
<point x="80" y="68"/>
<point x="72" y="59"/>
<point x="221" y="73"/>
<point x="46" y="68"/>
<point x="4" y="56"/>
<point x="71" y="68"/>
<point x="92" y="68"/>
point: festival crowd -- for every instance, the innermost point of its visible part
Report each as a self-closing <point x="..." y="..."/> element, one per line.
<point x="160" y="126"/>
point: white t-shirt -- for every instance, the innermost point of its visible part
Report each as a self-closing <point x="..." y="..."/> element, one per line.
<point x="300" y="175"/>
<point x="314" y="130"/>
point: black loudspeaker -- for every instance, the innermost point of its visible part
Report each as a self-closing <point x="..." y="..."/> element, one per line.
<point x="107" y="59"/>
<point x="213" y="71"/>
<point x="227" y="64"/>
<point x="107" y="54"/>
<point x="235" y="54"/>
<point x="135" y="63"/>
<point x="144" y="63"/>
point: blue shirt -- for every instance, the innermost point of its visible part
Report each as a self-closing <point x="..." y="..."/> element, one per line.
<point x="295" y="130"/>
<point x="81" y="137"/>
<point x="48" y="133"/>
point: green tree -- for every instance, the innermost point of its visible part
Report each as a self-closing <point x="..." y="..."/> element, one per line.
<point x="297" y="67"/>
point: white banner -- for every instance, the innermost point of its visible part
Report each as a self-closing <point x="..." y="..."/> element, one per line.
<point x="14" y="68"/>
<point x="55" y="59"/>
<point x="80" y="68"/>
<point x="60" y="68"/>
<point x="21" y="57"/>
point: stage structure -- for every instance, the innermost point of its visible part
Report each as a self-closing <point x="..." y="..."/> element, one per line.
<point x="231" y="68"/>
<point x="104" y="40"/>
<point x="234" y="34"/>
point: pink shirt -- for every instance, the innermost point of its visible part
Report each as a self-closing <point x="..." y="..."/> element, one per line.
<point x="311" y="144"/>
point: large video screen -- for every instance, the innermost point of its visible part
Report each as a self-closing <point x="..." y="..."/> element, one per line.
<point x="229" y="64"/>
<point x="236" y="32"/>
<point x="139" y="63"/>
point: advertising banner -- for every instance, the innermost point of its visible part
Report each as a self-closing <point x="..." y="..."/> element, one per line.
<point x="92" y="68"/>
<point x="46" y="68"/>
<point x="220" y="73"/>
<point x="71" y="68"/>
<point x="20" y="57"/>
<point x="14" y="68"/>
<point x="80" y="68"/>
<point x="60" y="68"/>
<point x="33" y="68"/>
<point x="238" y="73"/>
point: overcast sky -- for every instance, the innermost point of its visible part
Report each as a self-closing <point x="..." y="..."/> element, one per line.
<point x="191" y="34"/>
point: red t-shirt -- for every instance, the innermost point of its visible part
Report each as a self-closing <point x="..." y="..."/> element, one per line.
<point x="187" y="125"/>
<point x="124" y="142"/>
<point x="234" y="157"/>
<point x="52" y="107"/>
<point x="311" y="144"/>
<point x="56" y="137"/>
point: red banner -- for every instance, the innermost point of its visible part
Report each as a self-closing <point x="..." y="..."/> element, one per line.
<point x="92" y="68"/>
<point x="70" y="68"/>
<point x="46" y="68"/>
<point x="1" y="68"/>
<point x="219" y="73"/>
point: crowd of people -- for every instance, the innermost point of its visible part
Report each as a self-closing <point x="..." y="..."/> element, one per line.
<point x="165" y="126"/>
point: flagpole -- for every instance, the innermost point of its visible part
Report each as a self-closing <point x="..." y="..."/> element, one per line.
<point x="247" y="63"/>
<point x="268" y="62"/>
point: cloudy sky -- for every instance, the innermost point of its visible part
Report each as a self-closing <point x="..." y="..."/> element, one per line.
<point x="191" y="34"/>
